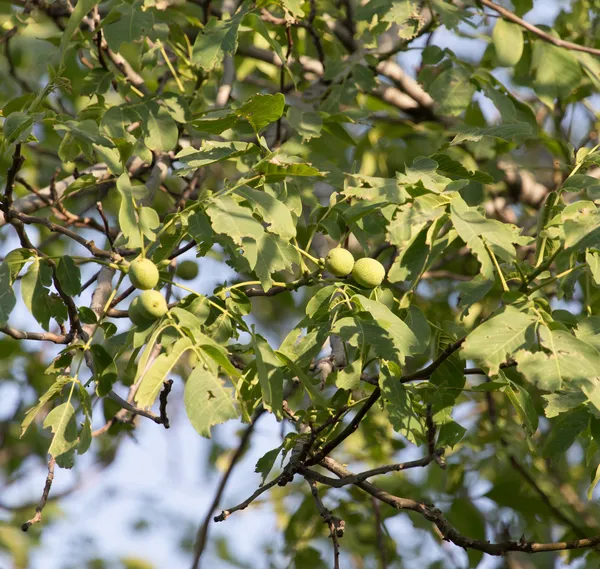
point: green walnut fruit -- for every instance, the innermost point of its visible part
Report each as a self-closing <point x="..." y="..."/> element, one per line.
<point x="187" y="270"/>
<point x="152" y="304"/>
<point x="143" y="274"/>
<point x="136" y="315"/>
<point x="339" y="262"/>
<point x="368" y="272"/>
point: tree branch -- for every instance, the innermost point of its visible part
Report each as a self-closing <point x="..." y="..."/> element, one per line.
<point x="362" y="476"/>
<point x="226" y="513"/>
<point x="511" y="17"/>
<point x="38" y="511"/>
<point x="40" y="336"/>
<point x="336" y="525"/>
<point x="203" y="529"/>
<point x="448" y="531"/>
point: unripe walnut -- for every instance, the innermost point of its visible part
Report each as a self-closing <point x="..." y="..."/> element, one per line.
<point x="339" y="262"/>
<point x="152" y="304"/>
<point x="136" y="315"/>
<point x="368" y="272"/>
<point x="187" y="270"/>
<point x="143" y="274"/>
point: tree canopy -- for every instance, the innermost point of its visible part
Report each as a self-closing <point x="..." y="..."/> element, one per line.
<point x="174" y="178"/>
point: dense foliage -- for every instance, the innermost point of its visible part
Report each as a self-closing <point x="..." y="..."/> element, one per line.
<point x="448" y="148"/>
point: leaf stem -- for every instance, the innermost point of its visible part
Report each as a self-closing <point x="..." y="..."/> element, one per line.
<point x="170" y="66"/>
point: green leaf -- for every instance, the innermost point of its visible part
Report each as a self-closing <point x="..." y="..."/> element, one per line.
<point x="412" y="259"/>
<point x="262" y="110"/>
<point x="508" y="42"/>
<point x="565" y="430"/>
<point x="593" y="483"/>
<point x="277" y="167"/>
<point x="523" y="404"/>
<point x="449" y="374"/>
<point x="477" y="231"/>
<point x="270" y="375"/>
<point x="230" y="218"/>
<point x="18" y="127"/>
<point x="405" y="14"/>
<point x="473" y="291"/>
<point x="497" y="339"/>
<point x="69" y="275"/>
<point x="405" y="342"/>
<point x="149" y="222"/>
<point x="152" y="381"/>
<point x="398" y="406"/>
<point x="378" y="189"/>
<point x="85" y="437"/>
<point x="452" y="91"/>
<point x="274" y="212"/>
<point x="540" y="369"/>
<point x="423" y="172"/>
<point x="207" y="401"/>
<point x="267" y="255"/>
<point x="255" y="22"/>
<point x="450" y="167"/>
<point x="82" y="8"/>
<point x="16" y="260"/>
<point x="349" y="376"/>
<point x="7" y="295"/>
<point x="128" y="214"/>
<point x="576" y="357"/>
<point x="557" y="72"/>
<point x="562" y="401"/>
<point x="161" y="130"/>
<point x="64" y="428"/>
<point x="308" y="124"/>
<point x="451" y="433"/>
<point x="581" y="224"/>
<point x="294" y="8"/>
<point x="53" y="390"/>
<point x="265" y="463"/>
<point x="588" y="330"/>
<point x="127" y="23"/>
<point x="36" y="295"/>
<point x="219" y="37"/>
<point x="306" y="381"/>
<point x="569" y="359"/>
<point x="361" y="330"/>
<point x="507" y="132"/>
<point x="212" y="152"/>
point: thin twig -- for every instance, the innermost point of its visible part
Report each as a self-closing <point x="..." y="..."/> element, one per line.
<point x="40" y="336"/>
<point x="379" y="533"/>
<point x="107" y="229"/>
<point x="164" y="395"/>
<point x="336" y="525"/>
<point x="203" y="529"/>
<point x="362" y="476"/>
<point x="510" y="16"/>
<point x="242" y="506"/>
<point x="38" y="511"/>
